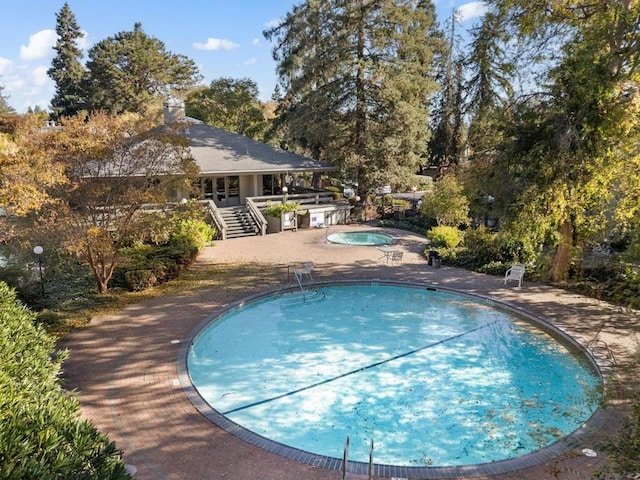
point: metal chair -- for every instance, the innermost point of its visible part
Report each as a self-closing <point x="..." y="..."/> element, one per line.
<point x="395" y="257"/>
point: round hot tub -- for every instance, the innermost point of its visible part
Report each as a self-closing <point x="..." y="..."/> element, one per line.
<point x="360" y="238"/>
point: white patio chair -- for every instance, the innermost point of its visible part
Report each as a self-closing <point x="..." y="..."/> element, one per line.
<point x="515" y="273"/>
<point x="303" y="270"/>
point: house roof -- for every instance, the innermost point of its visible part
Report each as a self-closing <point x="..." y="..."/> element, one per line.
<point x="219" y="152"/>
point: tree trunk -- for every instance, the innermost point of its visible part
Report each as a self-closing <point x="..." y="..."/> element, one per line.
<point x="559" y="271"/>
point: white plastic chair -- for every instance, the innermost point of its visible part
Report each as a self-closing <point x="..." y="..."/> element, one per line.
<point x="515" y="273"/>
<point x="300" y="271"/>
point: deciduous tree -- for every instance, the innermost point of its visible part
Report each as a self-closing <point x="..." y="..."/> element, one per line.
<point x="27" y="170"/>
<point x="446" y="203"/>
<point x="567" y="154"/>
<point x="229" y="104"/>
<point x="114" y="170"/>
<point x="83" y="185"/>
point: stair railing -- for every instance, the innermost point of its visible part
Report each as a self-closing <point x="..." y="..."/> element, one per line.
<point x="215" y="218"/>
<point x="257" y="216"/>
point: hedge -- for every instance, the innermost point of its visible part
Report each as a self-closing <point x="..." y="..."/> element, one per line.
<point x="42" y="435"/>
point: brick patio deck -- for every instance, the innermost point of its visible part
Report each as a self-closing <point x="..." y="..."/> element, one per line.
<point x="124" y="366"/>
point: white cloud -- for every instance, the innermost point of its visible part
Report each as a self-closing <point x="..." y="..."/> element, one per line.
<point x="5" y="65"/>
<point x="40" y="76"/>
<point x="83" y="42"/>
<point x="216" y="44"/>
<point x="27" y="87"/>
<point x="472" y="10"/>
<point x="40" y="45"/>
<point x="255" y="42"/>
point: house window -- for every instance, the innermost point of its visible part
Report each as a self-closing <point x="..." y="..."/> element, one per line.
<point x="221" y="194"/>
<point x="207" y="187"/>
<point x="234" y="186"/>
<point x="271" y="184"/>
<point x="267" y="184"/>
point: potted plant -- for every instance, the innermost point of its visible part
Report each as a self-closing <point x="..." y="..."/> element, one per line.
<point x="281" y="216"/>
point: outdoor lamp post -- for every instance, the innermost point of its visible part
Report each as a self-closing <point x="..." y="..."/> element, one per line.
<point x="413" y="204"/>
<point x="38" y="251"/>
<point x="284" y="193"/>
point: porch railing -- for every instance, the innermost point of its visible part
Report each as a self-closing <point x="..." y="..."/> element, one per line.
<point x="309" y="198"/>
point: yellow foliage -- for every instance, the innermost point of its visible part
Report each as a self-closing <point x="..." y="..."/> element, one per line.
<point x="28" y="169"/>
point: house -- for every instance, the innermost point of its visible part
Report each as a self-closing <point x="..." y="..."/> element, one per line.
<point x="239" y="176"/>
<point x="234" y="167"/>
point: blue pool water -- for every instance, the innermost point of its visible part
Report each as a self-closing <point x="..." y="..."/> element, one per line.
<point x="360" y="238"/>
<point x="435" y="379"/>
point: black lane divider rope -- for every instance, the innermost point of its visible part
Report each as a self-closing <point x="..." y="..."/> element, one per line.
<point x="361" y="369"/>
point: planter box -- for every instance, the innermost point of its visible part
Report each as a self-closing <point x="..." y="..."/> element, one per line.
<point x="279" y="224"/>
<point x="274" y="224"/>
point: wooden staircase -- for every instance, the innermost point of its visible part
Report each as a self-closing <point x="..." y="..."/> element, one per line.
<point x="239" y="222"/>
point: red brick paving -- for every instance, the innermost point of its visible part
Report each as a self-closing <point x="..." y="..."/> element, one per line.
<point x="124" y="366"/>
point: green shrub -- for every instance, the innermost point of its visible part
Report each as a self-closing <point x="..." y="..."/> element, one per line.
<point x="192" y="232"/>
<point x="444" y="236"/>
<point x="489" y="252"/>
<point x="42" y="435"/>
<point x="276" y="209"/>
<point x="402" y="203"/>
<point x="615" y="281"/>
<point x="180" y="254"/>
<point x="482" y="244"/>
<point x="149" y="265"/>
<point x="413" y="225"/>
<point x="138" y="280"/>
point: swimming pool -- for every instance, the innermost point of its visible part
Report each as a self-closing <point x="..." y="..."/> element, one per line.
<point x="434" y="378"/>
<point x="360" y="238"/>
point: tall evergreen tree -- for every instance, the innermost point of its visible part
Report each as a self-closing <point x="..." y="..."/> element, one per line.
<point x="447" y="143"/>
<point x="132" y="71"/>
<point x="356" y="78"/>
<point x="66" y="70"/>
<point x="489" y="86"/>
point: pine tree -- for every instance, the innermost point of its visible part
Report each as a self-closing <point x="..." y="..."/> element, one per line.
<point x="131" y="71"/>
<point x="66" y="70"/>
<point x="489" y="86"/>
<point x="446" y="144"/>
<point x="356" y="77"/>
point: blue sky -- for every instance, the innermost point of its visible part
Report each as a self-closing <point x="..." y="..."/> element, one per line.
<point x="223" y="37"/>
